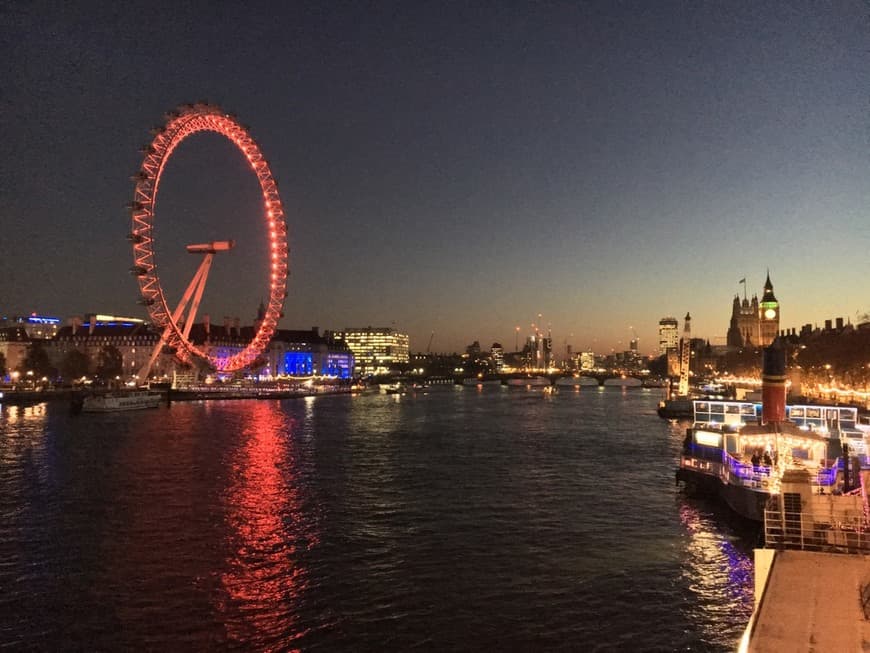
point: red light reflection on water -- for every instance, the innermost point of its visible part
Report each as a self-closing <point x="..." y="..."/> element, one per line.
<point x="265" y="579"/>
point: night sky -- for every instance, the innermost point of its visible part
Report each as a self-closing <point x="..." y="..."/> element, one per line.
<point x="451" y="167"/>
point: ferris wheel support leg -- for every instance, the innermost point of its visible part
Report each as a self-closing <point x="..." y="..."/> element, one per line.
<point x="203" y="271"/>
<point x="198" y="284"/>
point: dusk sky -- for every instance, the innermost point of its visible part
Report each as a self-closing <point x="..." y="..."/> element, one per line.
<point x="451" y="167"/>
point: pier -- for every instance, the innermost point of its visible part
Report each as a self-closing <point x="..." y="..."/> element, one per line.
<point x="809" y="601"/>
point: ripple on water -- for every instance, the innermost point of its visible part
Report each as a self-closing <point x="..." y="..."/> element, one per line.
<point x="461" y="520"/>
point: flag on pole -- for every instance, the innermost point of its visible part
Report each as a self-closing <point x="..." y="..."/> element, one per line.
<point x="743" y="280"/>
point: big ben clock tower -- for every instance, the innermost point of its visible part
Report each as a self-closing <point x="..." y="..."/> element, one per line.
<point x="768" y="314"/>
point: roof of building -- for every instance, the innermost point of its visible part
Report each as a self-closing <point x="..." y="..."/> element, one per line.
<point x="84" y="331"/>
<point x="768" y="295"/>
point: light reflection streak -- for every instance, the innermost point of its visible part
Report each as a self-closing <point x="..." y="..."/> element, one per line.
<point x="265" y="577"/>
<point x="15" y="414"/>
<point x="713" y="566"/>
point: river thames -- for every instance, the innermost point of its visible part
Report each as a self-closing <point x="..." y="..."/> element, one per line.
<point x="461" y="520"/>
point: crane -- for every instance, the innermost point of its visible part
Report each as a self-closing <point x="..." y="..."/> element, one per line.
<point x="429" y="346"/>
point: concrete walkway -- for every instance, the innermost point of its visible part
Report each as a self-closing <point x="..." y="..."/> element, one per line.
<point x="812" y="602"/>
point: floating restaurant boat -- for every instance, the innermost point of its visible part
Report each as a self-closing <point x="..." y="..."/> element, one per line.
<point x="110" y="402"/>
<point x="744" y="452"/>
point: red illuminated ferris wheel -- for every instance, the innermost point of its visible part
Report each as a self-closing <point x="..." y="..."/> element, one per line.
<point x="181" y="123"/>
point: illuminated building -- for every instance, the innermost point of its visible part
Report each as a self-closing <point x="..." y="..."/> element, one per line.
<point x="133" y="339"/>
<point x="306" y="353"/>
<point x="587" y="360"/>
<point x="289" y="353"/>
<point x="538" y="351"/>
<point x="497" y="354"/>
<point x="669" y="341"/>
<point x="36" y="326"/>
<point x="376" y="349"/>
<point x="14" y="342"/>
<point x="668" y="334"/>
<point x="768" y="315"/>
<point x="754" y="323"/>
<point x="743" y="329"/>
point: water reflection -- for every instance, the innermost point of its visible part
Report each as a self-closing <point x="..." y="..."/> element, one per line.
<point x="717" y="559"/>
<point x="13" y="414"/>
<point x="265" y="576"/>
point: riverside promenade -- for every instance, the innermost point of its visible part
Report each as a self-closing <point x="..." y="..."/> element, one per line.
<point x="809" y="601"/>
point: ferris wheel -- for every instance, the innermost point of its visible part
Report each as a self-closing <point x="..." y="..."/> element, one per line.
<point x="183" y="122"/>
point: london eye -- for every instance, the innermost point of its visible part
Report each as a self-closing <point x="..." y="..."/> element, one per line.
<point x="186" y="121"/>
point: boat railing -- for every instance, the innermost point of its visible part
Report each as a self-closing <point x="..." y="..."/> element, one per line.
<point x="757" y="477"/>
<point x="790" y="524"/>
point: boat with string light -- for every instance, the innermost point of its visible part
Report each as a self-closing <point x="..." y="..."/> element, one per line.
<point x="116" y="401"/>
<point x="741" y="451"/>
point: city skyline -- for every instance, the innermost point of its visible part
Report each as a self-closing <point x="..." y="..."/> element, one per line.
<point x="452" y="169"/>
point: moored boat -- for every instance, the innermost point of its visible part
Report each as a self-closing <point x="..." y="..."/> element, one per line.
<point x="110" y="402"/>
<point x="743" y="451"/>
<point x="676" y="408"/>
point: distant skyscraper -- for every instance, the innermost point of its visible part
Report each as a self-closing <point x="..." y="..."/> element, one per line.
<point x="668" y="334"/>
<point x="497" y="353"/>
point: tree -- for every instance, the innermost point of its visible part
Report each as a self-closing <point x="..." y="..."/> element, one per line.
<point x="37" y="361"/>
<point x="110" y="363"/>
<point x="75" y="365"/>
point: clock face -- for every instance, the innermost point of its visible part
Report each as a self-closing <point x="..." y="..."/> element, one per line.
<point x="770" y="313"/>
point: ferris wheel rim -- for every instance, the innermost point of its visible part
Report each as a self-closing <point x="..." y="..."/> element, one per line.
<point x="180" y="124"/>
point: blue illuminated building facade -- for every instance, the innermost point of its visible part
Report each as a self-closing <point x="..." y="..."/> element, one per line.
<point x="290" y="353"/>
<point x="307" y="353"/>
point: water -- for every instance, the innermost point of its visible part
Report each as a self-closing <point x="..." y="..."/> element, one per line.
<point x="464" y="520"/>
